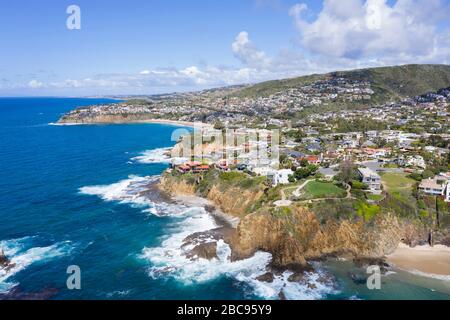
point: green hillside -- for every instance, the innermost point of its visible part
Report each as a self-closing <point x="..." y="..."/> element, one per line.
<point x="387" y="82"/>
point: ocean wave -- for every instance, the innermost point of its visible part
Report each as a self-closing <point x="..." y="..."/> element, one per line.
<point x="131" y="191"/>
<point x="125" y="191"/>
<point x="445" y="278"/>
<point x="170" y="260"/>
<point x="22" y="254"/>
<point x="64" y="124"/>
<point x="159" y="155"/>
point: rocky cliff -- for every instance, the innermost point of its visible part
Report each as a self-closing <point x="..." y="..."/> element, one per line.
<point x="299" y="237"/>
<point x="295" y="235"/>
<point x="89" y="118"/>
<point x="230" y="199"/>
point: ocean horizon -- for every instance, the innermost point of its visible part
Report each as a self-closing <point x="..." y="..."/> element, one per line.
<point x="81" y="195"/>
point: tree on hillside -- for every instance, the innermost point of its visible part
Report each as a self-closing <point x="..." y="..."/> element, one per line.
<point x="347" y="170"/>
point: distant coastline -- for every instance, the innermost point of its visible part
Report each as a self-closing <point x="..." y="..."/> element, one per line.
<point x="150" y="121"/>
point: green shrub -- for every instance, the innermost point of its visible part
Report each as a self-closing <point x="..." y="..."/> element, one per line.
<point x="367" y="211"/>
<point x="359" y="185"/>
<point x="424" y="213"/>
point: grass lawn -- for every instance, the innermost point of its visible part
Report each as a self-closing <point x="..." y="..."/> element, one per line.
<point x="398" y="185"/>
<point x="317" y="190"/>
<point x="374" y="197"/>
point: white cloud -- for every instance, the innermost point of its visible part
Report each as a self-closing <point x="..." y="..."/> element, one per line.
<point x="405" y="32"/>
<point x="248" y="53"/>
<point x="34" y="84"/>
<point x="345" y="34"/>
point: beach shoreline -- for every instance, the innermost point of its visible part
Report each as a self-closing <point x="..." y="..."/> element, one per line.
<point x="151" y="121"/>
<point x="427" y="261"/>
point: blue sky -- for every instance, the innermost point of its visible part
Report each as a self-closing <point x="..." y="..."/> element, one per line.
<point x="146" y="47"/>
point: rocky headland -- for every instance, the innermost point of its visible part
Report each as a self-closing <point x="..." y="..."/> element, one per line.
<point x="294" y="236"/>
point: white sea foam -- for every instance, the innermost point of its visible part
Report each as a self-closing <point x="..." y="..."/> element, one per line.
<point x="170" y="260"/>
<point x="22" y="255"/>
<point x="130" y="191"/>
<point x="311" y="288"/>
<point x="125" y="191"/>
<point x="65" y="124"/>
<point x="159" y="155"/>
<point x="429" y="275"/>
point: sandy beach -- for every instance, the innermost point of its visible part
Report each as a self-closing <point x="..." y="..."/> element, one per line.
<point x="424" y="260"/>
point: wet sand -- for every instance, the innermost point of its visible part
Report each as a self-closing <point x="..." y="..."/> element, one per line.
<point x="426" y="260"/>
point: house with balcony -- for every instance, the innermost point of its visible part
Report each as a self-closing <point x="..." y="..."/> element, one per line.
<point x="433" y="186"/>
<point x="371" y="179"/>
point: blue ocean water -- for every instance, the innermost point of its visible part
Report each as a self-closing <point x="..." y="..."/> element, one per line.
<point x="71" y="195"/>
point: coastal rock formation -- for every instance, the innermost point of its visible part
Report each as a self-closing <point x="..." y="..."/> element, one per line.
<point x="295" y="239"/>
<point x="203" y="245"/>
<point x="266" y="277"/>
<point x="232" y="200"/>
<point x="4" y="262"/>
<point x="206" y="251"/>
<point x="180" y="187"/>
<point x="93" y="118"/>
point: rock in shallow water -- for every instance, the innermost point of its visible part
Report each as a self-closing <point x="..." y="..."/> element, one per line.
<point x="267" y="277"/>
<point x="17" y="294"/>
<point x="362" y="262"/>
<point x="4" y="262"/>
<point x="206" y="251"/>
<point x="297" y="277"/>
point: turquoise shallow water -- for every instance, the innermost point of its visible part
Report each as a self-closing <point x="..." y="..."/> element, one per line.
<point x="69" y="195"/>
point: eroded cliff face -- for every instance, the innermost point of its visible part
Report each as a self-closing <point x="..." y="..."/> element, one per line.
<point x="232" y="200"/>
<point x="176" y="187"/>
<point x="98" y="119"/>
<point x="299" y="237"/>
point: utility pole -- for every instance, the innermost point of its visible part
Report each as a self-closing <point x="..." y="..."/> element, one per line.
<point x="438" y="220"/>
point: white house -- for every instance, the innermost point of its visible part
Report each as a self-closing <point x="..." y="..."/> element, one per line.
<point x="412" y="161"/>
<point x="432" y="186"/>
<point x="276" y="176"/>
<point x="282" y="176"/>
<point x="371" y="178"/>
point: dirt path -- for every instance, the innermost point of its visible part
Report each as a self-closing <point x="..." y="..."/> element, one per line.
<point x="296" y="193"/>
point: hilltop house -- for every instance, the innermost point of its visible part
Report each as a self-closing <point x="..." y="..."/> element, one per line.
<point x="371" y="179"/>
<point x="433" y="186"/>
<point x="281" y="176"/>
<point x="275" y="176"/>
